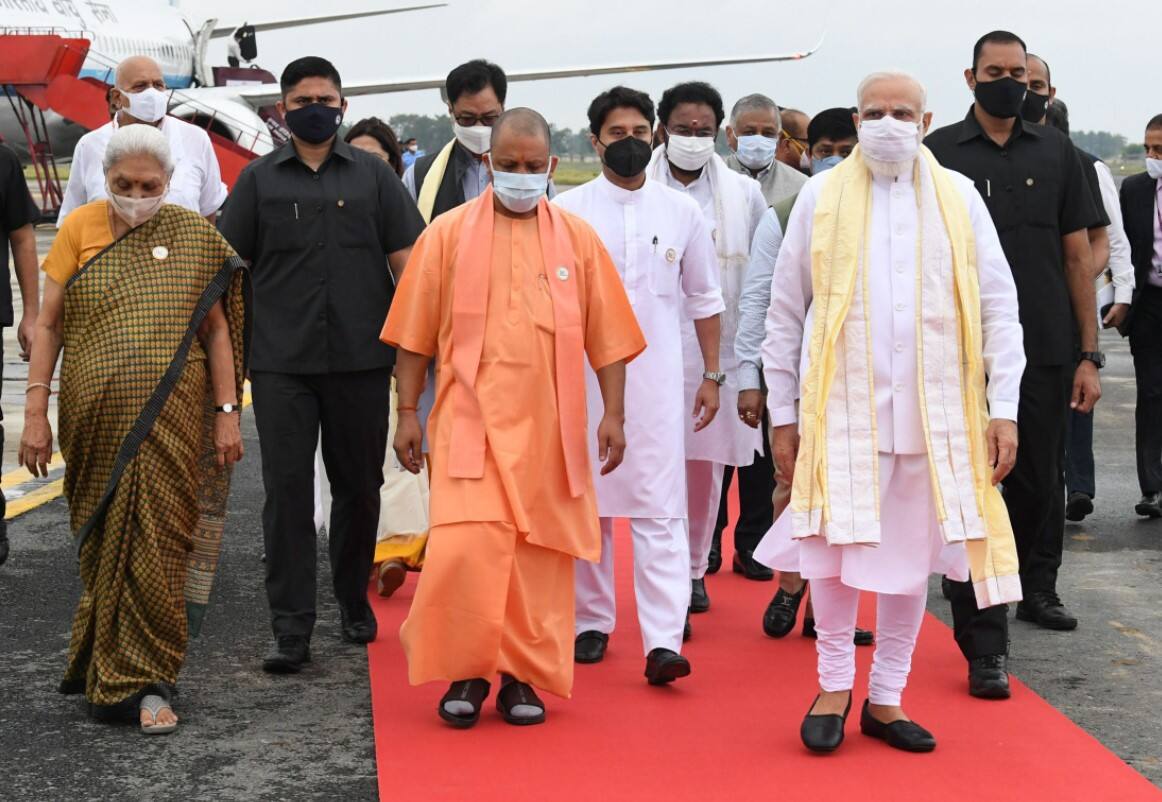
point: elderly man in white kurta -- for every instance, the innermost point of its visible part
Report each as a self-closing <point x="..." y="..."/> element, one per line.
<point x="894" y="475"/>
<point x="665" y="256"/>
<point x="689" y="116"/>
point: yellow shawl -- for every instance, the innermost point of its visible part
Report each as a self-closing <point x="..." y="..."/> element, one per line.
<point x="838" y="415"/>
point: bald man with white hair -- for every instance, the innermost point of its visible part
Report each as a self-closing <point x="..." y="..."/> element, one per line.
<point x="139" y="97"/>
<point x="897" y="447"/>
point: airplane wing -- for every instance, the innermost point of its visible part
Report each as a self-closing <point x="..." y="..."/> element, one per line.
<point x="265" y="95"/>
<point x="223" y="31"/>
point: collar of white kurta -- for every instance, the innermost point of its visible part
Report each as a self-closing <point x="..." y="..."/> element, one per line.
<point x="469" y="315"/>
<point x="836" y="486"/>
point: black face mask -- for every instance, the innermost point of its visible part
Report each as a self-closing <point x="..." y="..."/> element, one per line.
<point x="1033" y="109"/>
<point x="315" y="123"/>
<point x="628" y="157"/>
<point x="1002" y="97"/>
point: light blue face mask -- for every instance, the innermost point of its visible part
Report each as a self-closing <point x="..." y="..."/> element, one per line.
<point x="755" y="151"/>
<point x="520" y="192"/>
<point x="824" y="164"/>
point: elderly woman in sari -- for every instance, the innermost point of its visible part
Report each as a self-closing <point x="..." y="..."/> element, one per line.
<point x="150" y="307"/>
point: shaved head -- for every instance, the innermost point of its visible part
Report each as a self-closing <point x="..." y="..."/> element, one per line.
<point x="522" y="122"/>
<point x="138" y="70"/>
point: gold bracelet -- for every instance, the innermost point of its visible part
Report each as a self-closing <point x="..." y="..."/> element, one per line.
<point x="32" y="386"/>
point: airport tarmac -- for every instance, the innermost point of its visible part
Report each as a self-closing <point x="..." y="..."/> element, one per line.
<point x="246" y="734"/>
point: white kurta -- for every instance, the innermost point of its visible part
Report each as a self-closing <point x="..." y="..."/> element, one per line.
<point x="912" y="545"/>
<point x="727" y="440"/>
<point x="664" y="253"/>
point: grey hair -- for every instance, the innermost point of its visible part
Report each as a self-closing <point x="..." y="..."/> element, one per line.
<point x="890" y="75"/>
<point x="755" y="102"/>
<point x="138" y="139"/>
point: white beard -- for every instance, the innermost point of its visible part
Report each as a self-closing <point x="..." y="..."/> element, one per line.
<point x="887" y="169"/>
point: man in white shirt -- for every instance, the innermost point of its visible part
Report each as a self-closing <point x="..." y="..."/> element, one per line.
<point x="139" y="97"/>
<point x="892" y="468"/>
<point x="663" y="251"/>
<point x="689" y="116"/>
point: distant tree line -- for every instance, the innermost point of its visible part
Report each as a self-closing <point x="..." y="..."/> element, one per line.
<point x="1105" y="145"/>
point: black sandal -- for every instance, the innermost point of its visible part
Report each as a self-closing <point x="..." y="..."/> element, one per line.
<point x="514" y="693"/>
<point x="472" y="691"/>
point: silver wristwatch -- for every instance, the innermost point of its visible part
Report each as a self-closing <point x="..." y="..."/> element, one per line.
<point x="717" y="378"/>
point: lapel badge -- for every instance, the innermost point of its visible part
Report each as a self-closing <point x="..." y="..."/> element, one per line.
<point x="671" y="255"/>
<point x="563" y="273"/>
<point x="1028" y="182"/>
<point x="160" y="252"/>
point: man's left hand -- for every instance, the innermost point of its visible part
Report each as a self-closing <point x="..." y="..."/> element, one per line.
<point x="750" y="407"/>
<point x="706" y="404"/>
<point x="1086" y="387"/>
<point x="24" y="334"/>
<point x="1002" y="440"/>
<point x="1116" y="317"/>
<point x="610" y="443"/>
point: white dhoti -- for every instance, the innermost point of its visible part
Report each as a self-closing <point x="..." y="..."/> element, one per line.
<point x="660" y="580"/>
<point x="703" y="495"/>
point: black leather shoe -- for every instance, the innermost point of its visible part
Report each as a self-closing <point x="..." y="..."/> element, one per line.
<point x="359" y="628"/>
<point x="687" y="632"/>
<point x="906" y="735"/>
<point x="590" y="646"/>
<point x="290" y="654"/>
<point x="988" y="677"/>
<point x="862" y="637"/>
<point x="3" y="546"/>
<point x="745" y="564"/>
<point x="715" y="559"/>
<point x="1150" y="506"/>
<point x="699" y="600"/>
<point x="823" y="733"/>
<point x="1078" y="506"/>
<point x="779" y="618"/>
<point x="1044" y="609"/>
<point x="664" y="666"/>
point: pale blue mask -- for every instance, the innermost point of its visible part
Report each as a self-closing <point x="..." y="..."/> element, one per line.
<point x="520" y="192"/>
<point x="824" y="164"/>
<point x="755" y="151"/>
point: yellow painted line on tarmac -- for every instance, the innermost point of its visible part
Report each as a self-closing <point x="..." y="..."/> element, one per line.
<point x="26" y="492"/>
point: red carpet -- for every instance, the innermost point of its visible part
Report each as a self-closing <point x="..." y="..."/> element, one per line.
<point x="730" y="731"/>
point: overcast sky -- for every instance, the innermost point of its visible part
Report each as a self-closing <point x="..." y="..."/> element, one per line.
<point x="1100" y="51"/>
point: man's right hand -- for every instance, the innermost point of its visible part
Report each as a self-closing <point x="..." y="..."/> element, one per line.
<point x="785" y="450"/>
<point x="750" y="407"/>
<point x="409" y="441"/>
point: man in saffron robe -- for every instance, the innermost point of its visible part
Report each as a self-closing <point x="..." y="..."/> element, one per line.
<point x="508" y="295"/>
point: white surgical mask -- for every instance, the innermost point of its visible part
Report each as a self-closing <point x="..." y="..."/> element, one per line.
<point x="1154" y="168"/>
<point x="689" y="152"/>
<point x="476" y="138"/>
<point x="756" y="152"/>
<point x="135" y="211"/>
<point x="149" y="105"/>
<point x="889" y="145"/>
<point x="520" y="192"/>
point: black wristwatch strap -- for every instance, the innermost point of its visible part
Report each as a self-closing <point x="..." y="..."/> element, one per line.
<point x="1096" y="357"/>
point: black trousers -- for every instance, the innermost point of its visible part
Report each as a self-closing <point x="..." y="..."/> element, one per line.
<point x="1035" y="497"/>
<point x="1079" y="469"/>
<point x="1147" y="350"/>
<point x="756" y="485"/>
<point x="351" y="410"/>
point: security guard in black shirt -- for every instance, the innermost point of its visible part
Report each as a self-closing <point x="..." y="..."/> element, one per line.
<point x="1032" y="182"/>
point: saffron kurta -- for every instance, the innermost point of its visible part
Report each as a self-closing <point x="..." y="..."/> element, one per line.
<point x="460" y="625"/>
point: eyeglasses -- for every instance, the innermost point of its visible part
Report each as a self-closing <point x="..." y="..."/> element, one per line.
<point x="799" y="143"/>
<point x="469" y="120"/>
<point x="685" y="130"/>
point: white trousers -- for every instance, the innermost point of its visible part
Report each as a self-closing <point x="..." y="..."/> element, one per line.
<point x="661" y="582"/>
<point x="898" y="619"/>
<point x="703" y="494"/>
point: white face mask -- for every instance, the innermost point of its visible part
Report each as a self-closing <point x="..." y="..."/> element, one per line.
<point x="1154" y="168"/>
<point x="149" y="105"/>
<point x="477" y="138"/>
<point x="520" y="192"/>
<point x="689" y="152"/>
<point x="135" y="211"/>
<point x="889" y="145"/>
<point x="756" y="152"/>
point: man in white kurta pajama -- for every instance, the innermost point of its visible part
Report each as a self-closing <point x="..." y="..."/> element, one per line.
<point x="732" y="204"/>
<point x="664" y="253"/>
<point x="929" y="234"/>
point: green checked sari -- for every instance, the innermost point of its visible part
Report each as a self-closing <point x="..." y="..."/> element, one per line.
<point x="146" y="497"/>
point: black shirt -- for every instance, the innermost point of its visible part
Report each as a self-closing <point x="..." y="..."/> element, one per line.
<point x="16" y="211"/>
<point x="318" y="245"/>
<point x="1036" y="192"/>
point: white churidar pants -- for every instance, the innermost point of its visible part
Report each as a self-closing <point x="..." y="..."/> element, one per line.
<point x="703" y="494"/>
<point x="661" y="582"/>
<point x="898" y="619"/>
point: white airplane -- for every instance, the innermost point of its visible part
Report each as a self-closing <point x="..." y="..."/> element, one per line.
<point x="242" y="110"/>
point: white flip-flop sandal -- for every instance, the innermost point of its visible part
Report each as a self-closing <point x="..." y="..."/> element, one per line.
<point x="154" y="704"/>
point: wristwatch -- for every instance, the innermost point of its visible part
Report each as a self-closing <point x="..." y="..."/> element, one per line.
<point x="1096" y="357"/>
<point x="717" y="378"/>
<point x="227" y="408"/>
